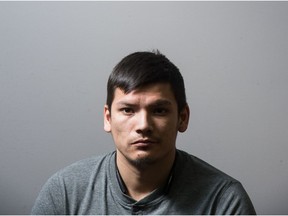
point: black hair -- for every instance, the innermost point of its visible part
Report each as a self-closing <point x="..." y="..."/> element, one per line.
<point x="143" y="68"/>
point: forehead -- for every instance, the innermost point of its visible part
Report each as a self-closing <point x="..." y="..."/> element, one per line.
<point x="149" y="93"/>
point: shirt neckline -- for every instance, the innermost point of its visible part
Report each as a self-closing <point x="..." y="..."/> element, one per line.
<point x="121" y="189"/>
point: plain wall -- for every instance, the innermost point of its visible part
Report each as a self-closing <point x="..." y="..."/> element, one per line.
<point x="55" y="58"/>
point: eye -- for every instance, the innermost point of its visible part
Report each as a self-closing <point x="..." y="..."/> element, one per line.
<point x="127" y="111"/>
<point x="160" y="111"/>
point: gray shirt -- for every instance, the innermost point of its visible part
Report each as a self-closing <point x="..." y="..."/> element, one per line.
<point x="91" y="186"/>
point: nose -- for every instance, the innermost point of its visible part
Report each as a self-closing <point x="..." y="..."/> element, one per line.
<point x="144" y="124"/>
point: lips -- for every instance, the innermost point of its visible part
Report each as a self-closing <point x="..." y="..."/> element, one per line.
<point x="143" y="142"/>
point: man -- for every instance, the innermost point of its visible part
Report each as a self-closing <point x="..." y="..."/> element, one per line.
<point x="145" y="109"/>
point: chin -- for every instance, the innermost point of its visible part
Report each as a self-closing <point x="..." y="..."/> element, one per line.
<point x="142" y="161"/>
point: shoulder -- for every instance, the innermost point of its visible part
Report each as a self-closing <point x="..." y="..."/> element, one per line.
<point x="85" y="166"/>
<point x="199" y="168"/>
<point x="199" y="176"/>
<point x="80" y="173"/>
<point x="70" y="184"/>
<point x="210" y="187"/>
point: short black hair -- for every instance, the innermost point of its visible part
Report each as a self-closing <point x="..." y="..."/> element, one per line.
<point x="143" y="68"/>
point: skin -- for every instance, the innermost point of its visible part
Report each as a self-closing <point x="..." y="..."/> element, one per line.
<point x="144" y="125"/>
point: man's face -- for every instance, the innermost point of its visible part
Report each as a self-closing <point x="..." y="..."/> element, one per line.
<point x="144" y="123"/>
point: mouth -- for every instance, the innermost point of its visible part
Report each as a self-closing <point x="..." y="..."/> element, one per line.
<point x="143" y="142"/>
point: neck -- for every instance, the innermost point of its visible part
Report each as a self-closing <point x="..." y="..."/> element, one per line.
<point x="141" y="180"/>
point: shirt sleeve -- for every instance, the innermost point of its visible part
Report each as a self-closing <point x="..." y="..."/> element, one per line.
<point x="235" y="201"/>
<point x="50" y="200"/>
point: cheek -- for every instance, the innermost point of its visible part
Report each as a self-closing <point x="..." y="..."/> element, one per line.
<point x="169" y="128"/>
<point x="120" y="126"/>
<point x="172" y="122"/>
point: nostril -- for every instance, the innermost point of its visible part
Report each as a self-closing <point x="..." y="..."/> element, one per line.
<point x="144" y="131"/>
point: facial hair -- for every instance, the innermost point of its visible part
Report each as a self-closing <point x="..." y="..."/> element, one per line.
<point x="141" y="163"/>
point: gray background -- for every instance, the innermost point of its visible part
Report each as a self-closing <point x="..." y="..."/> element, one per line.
<point x="55" y="58"/>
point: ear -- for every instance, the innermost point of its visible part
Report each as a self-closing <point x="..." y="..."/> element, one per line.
<point x="184" y="119"/>
<point x="107" y="119"/>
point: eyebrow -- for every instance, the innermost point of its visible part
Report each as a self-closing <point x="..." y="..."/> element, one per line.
<point x="159" y="102"/>
<point x="162" y="102"/>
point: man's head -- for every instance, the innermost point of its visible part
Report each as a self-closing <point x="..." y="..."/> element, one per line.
<point x="143" y="68"/>
<point x="146" y="107"/>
